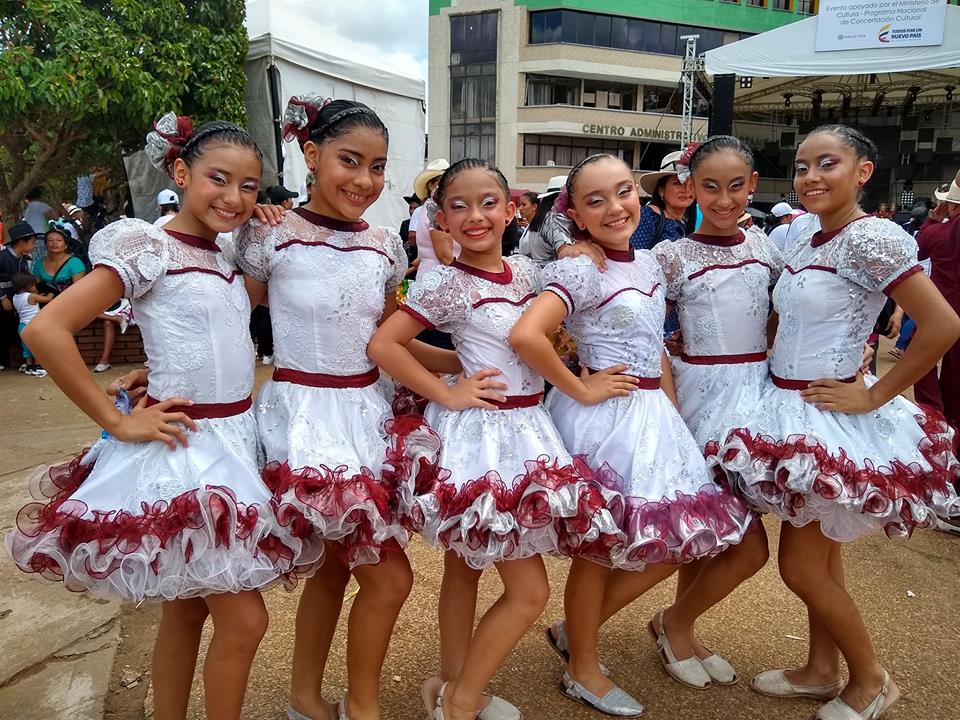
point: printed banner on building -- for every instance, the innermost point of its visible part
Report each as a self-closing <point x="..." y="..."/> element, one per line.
<point x="858" y="24"/>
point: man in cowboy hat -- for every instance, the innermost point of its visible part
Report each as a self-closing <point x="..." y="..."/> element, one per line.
<point x="434" y="246"/>
<point x="939" y="240"/>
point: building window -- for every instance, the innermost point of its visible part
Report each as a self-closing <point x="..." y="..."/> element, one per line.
<point x="621" y="33"/>
<point x="473" y="86"/>
<point x="807" y="7"/>
<point x="609" y="95"/>
<point x="564" y="151"/>
<point x="757" y="3"/>
<point x="547" y="90"/>
<point x="662" y="100"/>
<point x="783" y="5"/>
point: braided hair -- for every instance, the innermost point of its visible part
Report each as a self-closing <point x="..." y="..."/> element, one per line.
<point x="311" y="118"/>
<point x="470" y="164"/>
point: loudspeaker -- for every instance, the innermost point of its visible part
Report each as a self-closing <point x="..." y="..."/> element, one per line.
<point x="721" y="109"/>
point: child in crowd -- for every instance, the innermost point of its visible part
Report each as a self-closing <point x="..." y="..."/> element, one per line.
<point x="26" y="301"/>
<point x="504" y="489"/>
<point x="172" y="506"/>
<point x="832" y="453"/>
<point x="674" y="512"/>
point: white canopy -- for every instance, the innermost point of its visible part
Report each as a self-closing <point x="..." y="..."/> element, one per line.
<point x="788" y="52"/>
<point x="310" y="57"/>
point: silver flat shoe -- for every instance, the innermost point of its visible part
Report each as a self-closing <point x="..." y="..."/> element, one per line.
<point x="773" y="683"/>
<point x="687" y="672"/>
<point x="616" y="702"/>
<point x="557" y="637"/>
<point x="500" y="709"/>
<point x="342" y="710"/>
<point x="296" y="715"/>
<point x="719" y="670"/>
<point x="837" y="709"/>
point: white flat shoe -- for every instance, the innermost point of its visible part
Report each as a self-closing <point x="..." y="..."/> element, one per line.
<point x="773" y="683"/>
<point x="719" y="670"/>
<point x="616" y="702"/>
<point x="687" y="672"/>
<point x="500" y="709"/>
<point x="837" y="709"/>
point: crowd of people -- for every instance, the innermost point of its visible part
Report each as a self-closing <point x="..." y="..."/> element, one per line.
<point x="642" y="461"/>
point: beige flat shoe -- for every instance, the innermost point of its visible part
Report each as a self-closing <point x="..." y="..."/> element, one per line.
<point x="837" y="709"/>
<point x="773" y="683"/>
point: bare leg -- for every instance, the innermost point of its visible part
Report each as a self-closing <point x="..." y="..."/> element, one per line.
<point x="582" y="609"/>
<point x="317" y="615"/>
<point x="383" y="590"/>
<point x="625" y="586"/>
<point x="688" y="574"/>
<point x="805" y="558"/>
<point x="823" y="655"/>
<point x="457" y="613"/>
<point x="525" y="593"/>
<point x="109" y="338"/>
<point x="239" y="623"/>
<point x="718" y="577"/>
<point x="175" y="656"/>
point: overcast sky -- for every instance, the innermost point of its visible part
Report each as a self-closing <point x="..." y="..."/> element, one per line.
<point x="396" y="28"/>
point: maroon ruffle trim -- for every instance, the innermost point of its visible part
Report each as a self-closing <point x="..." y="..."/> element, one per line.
<point x="333" y="497"/>
<point x="125" y="532"/>
<point x="880" y="487"/>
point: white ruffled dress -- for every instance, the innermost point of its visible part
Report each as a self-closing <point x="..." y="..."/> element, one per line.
<point x="892" y="468"/>
<point x="135" y="519"/>
<point x="638" y="445"/>
<point x="322" y="416"/>
<point x="721" y="288"/>
<point x="497" y="484"/>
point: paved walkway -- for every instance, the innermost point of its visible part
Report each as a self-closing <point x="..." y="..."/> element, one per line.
<point x="67" y="656"/>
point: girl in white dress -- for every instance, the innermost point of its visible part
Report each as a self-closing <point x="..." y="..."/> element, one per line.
<point x="720" y="279"/>
<point x="171" y="505"/>
<point x="673" y="510"/>
<point x="833" y="454"/>
<point x="321" y="417"/>
<point x="504" y="489"/>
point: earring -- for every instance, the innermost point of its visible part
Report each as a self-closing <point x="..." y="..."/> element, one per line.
<point x="180" y="183"/>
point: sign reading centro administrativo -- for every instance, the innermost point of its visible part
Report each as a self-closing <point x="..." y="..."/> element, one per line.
<point x="636" y="132"/>
<point x="859" y="24"/>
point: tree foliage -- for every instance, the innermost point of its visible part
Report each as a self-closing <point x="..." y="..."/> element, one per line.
<point x="81" y="81"/>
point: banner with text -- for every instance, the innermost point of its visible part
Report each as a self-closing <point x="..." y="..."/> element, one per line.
<point x="858" y="24"/>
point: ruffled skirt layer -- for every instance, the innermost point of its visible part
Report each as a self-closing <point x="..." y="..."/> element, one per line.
<point x="638" y="445"/>
<point x="325" y="449"/>
<point x="137" y="520"/>
<point x="892" y="468"/>
<point x="497" y="485"/>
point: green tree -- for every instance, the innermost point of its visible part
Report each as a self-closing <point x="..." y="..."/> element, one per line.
<point x="81" y="81"/>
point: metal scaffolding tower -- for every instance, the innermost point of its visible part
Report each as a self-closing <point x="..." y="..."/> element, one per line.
<point x="692" y="64"/>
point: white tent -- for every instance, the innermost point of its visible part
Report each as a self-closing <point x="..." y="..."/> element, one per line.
<point x="291" y="54"/>
<point x="788" y="51"/>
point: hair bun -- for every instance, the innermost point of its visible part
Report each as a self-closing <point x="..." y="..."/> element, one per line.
<point x="165" y="142"/>
<point x="300" y="117"/>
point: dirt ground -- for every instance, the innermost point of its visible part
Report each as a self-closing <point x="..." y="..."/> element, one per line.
<point x="909" y="594"/>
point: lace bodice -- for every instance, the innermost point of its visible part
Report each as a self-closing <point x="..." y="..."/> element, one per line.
<point x="326" y="286"/>
<point x="831" y="293"/>
<point x="614" y="316"/>
<point x="479" y="309"/>
<point x="721" y="287"/>
<point x="191" y="306"/>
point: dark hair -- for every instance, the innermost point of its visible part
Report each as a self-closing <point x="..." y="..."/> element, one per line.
<point x="657" y="199"/>
<point x="177" y="139"/>
<point x="167" y="207"/>
<point x="862" y="146"/>
<point x="531" y="198"/>
<point x="22" y="282"/>
<point x="34" y="193"/>
<point x="716" y="143"/>
<point x="313" y="119"/>
<point x="544" y="208"/>
<point x="469" y="164"/>
<point x="578" y="168"/>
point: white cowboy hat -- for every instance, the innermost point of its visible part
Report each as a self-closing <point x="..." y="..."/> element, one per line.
<point x="668" y="166"/>
<point x="434" y="169"/>
<point x="952" y="195"/>
<point x="554" y="185"/>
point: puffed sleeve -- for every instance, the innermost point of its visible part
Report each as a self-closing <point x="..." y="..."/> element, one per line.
<point x="667" y="254"/>
<point x="136" y="251"/>
<point x="526" y="268"/>
<point x="397" y="255"/>
<point x="438" y="299"/>
<point x="255" y="246"/>
<point x="877" y="254"/>
<point x="576" y="281"/>
<point x="767" y="252"/>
